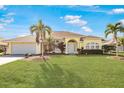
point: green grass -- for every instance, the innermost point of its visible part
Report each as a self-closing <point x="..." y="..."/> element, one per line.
<point x="121" y="53"/>
<point x="1" y="54"/>
<point x="64" y="71"/>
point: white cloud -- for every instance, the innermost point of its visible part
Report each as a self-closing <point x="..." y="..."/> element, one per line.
<point x="72" y="17"/>
<point x="117" y="11"/>
<point x="1" y="7"/>
<point x="7" y="18"/>
<point x="61" y="17"/>
<point x="1" y="26"/>
<point x="74" y="20"/>
<point x="122" y="21"/>
<point x="86" y="29"/>
<point x="92" y="6"/>
<point x="24" y="34"/>
<point x="82" y="6"/>
<point x="77" y="21"/>
<point x="9" y="14"/>
<point x="6" y="21"/>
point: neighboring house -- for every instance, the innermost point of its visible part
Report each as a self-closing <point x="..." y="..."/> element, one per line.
<point x="113" y="43"/>
<point x="121" y="48"/>
<point x="27" y="44"/>
<point x="2" y="43"/>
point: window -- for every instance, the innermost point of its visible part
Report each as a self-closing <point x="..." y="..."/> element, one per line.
<point x="92" y="45"/>
<point x="87" y="47"/>
<point x="97" y="46"/>
<point x="81" y="39"/>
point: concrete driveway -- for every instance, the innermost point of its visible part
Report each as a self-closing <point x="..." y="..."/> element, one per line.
<point x="10" y="58"/>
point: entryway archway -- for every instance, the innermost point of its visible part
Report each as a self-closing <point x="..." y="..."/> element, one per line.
<point x="72" y="47"/>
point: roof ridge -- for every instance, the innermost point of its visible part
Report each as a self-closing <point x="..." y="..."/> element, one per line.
<point x="17" y="37"/>
<point x="93" y="36"/>
<point x="70" y="32"/>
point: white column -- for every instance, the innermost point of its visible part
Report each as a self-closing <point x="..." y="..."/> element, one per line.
<point x="38" y="49"/>
<point x="9" y="49"/>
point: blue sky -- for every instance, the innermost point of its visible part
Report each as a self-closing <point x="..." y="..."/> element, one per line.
<point x="88" y="20"/>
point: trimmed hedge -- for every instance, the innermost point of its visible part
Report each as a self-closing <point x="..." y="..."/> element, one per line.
<point x="1" y="51"/>
<point x="108" y="48"/>
<point x="93" y="51"/>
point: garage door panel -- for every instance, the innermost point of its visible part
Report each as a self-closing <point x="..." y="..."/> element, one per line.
<point x="23" y="48"/>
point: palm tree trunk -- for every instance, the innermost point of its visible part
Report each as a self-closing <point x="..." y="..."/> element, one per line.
<point x="49" y="47"/>
<point x="42" y="49"/>
<point x="116" y="48"/>
<point x="123" y="48"/>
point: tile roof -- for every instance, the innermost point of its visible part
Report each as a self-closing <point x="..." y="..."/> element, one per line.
<point x="3" y="43"/>
<point x="65" y="34"/>
<point x="29" y="38"/>
<point x="56" y="35"/>
<point x="89" y="36"/>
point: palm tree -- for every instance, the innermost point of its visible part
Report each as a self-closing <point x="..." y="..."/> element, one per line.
<point x="50" y="43"/>
<point x="114" y="29"/>
<point x="121" y="41"/>
<point x="40" y="30"/>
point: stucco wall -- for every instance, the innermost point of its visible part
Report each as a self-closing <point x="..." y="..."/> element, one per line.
<point x="85" y="41"/>
<point x="95" y="40"/>
<point x="75" y="39"/>
<point x="79" y="43"/>
<point x="9" y="48"/>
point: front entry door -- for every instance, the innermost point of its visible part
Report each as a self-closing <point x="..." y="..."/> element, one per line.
<point x="71" y="48"/>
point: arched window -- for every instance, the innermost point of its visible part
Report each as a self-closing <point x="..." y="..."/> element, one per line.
<point x="92" y="45"/>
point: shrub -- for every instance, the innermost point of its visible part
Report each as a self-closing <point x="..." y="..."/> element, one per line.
<point x="61" y="46"/>
<point x="27" y="55"/>
<point x="79" y="51"/>
<point x="1" y="54"/>
<point x="93" y="51"/>
<point x="108" y="48"/>
<point x="1" y="51"/>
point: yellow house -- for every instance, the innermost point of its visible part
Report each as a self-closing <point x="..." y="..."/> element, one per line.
<point x="73" y="41"/>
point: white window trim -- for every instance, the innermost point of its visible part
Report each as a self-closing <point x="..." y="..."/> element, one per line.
<point x="92" y="44"/>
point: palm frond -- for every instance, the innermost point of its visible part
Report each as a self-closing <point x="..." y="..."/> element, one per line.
<point x="121" y="40"/>
<point x="110" y="26"/>
<point x="40" y="25"/>
<point x="118" y="24"/>
<point x="33" y="29"/>
<point x="107" y="33"/>
<point x="122" y="29"/>
<point x="48" y="29"/>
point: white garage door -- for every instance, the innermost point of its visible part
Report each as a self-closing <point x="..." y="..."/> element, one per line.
<point x="23" y="48"/>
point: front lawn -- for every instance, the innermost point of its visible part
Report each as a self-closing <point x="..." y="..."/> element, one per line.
<point x="121" y="53"/>
<point x="64" y="71"/>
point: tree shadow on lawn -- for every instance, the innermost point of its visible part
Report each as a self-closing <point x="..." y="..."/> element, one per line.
<point x="53" y="76"/>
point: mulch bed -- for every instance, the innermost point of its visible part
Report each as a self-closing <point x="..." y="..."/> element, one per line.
<point x="117" y="57"/>
<point x="37" y="58"/>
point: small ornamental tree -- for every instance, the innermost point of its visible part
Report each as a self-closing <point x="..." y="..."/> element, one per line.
<point x="3" y="49"/>
<point x="121" y="42"/>
<point x="61" y="46"/>
<point x="79" y="50"/>
<point x="114" y="29"/>
<point x="108" y="48"/>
